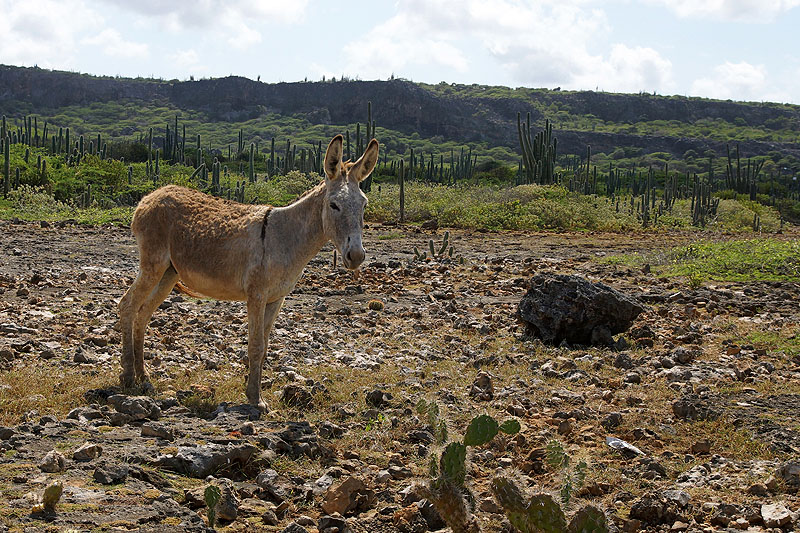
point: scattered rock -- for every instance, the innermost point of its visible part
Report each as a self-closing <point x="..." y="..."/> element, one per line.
<point x="348" y="496"/>
<point x="775" y="515"/>
<point x="53" y="462"/>
<point x="562" y="308"/>
<point x="87" y="452"/>
<point x="295" y="395"/>
<point x="202" y="461"/>
<point x="378" y="398"/>
<point x="137" y="407"/>
<point x="482" y="388"/>
<point x="154" y="429"/>
<point x="110" y="473"/>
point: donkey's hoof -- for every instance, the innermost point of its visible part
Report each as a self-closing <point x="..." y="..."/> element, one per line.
<point x="262" y="406"/>
<point x="126" y="381"/>
<point x="146" y="387"/>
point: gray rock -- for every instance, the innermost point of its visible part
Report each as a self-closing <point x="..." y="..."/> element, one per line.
<point x="137" y="407"/>
<point x="775" y="515"/>
<point x="6" y="433"/>
<point x="611" y="421"/>
<point x="789" y="472"/>
<point x="329" y="522"/>
<point x="378" y="398"/>
<point x="482" y="388"/>
<point x="202" y="461"/>
<point x="110" y="473"/>
<point x="228" y="506"/>
<point x="154" y="429"/>
<point x="561" y="308"/>
<point x="53" y="462"/>
<point x="87" y="452"/>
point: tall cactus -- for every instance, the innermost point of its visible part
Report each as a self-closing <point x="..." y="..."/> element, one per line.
<point x="539" y="153"/>
<point x="6" y="166"/>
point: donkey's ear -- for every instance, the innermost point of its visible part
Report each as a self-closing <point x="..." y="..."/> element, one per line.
<point x="366" y="163"/>
<point x="333" y="157"/>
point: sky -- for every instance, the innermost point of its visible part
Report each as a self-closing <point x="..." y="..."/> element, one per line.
<point x="726" y="49"/>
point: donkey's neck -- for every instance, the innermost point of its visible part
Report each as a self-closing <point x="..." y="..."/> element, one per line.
<point x="299" y="227"/>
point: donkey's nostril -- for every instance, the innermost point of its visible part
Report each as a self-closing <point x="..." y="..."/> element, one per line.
<point x="350" y="257"/>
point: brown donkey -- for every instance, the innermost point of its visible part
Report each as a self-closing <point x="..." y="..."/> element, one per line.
<point x="231" y="251"/>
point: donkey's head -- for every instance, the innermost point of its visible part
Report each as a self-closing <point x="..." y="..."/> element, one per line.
<point x="343" y="209"/>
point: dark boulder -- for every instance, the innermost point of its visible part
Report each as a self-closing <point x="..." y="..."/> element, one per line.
<point x="560" y="308"/>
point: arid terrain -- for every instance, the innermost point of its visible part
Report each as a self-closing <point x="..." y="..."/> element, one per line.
<point x="706" y="384"/>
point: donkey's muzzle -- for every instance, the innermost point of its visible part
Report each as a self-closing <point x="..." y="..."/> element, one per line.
<point x="354" y="257"/>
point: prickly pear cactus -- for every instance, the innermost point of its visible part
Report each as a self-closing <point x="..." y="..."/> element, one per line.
<point x="452" y="464"/>
<point x="510" y="426"/>
<point x="590" y="519"/>
<point x="212" y="495"/>
<point x="481" y="430"/>
<point x="545" y="513"/>
<point x="52" y="493"/>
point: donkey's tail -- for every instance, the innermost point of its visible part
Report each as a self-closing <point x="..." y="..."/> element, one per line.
<point x="180" y="287"/>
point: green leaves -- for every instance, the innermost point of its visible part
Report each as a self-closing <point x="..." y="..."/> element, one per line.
<point x="453" y="463"/>
<point x="484" y="428"/>
<point x="481" y="430"/>
<point x="510" y="426"/>
<point x="212" y="496"/>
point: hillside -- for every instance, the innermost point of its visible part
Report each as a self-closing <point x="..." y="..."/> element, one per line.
<point x="407" y="113"/>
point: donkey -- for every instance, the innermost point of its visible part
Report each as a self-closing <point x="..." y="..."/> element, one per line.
<point x="230" y="251"/>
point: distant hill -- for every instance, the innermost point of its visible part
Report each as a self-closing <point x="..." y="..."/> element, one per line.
<point x="442" y="114"/>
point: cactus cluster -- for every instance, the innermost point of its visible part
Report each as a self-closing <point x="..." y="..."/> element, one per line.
<point x="538" y="153"/>
<point x="542" y="514"/>
<point x="445" y="250"/>
<point x="447" y="490"/>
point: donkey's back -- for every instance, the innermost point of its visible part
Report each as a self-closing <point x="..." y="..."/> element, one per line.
<point x="207" y="240"/>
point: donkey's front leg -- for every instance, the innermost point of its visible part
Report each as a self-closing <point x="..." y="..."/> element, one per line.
<point x="258" y="340"/>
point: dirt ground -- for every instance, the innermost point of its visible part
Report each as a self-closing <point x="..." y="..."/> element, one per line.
<point x="706" y="385"/>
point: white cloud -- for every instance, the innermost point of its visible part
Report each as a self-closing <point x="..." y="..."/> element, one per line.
<point x="731" y="10"/>
<point x="44" y="33"/>
<point x="739" y="81"/>
<point x="544" y="43"/>
<point x="208" y="13"/>
<point x="112" y="43"/>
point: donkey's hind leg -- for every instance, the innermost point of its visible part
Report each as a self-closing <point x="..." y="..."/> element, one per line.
<point x="150" y="272"/>
<point x="157" y="295"/>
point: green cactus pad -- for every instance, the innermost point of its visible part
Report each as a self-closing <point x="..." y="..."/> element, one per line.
<point x="546" y="514"/>
<point x="481" y="430"/>
<point x="590" y="519"/>
<point x="510" y="426"/>
<point x="452" y="464"/>
<point x="508" y="495"/>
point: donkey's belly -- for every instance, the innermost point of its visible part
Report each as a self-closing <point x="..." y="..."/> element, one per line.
<point x="212" y="286"/>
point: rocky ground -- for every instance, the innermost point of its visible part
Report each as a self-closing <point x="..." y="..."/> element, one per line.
<point x="706" y="384"/>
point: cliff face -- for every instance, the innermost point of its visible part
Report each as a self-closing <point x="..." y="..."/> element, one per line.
<point x="402" y="106"/>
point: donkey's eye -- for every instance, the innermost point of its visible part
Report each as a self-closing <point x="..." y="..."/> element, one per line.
<point x="334" y="206"/>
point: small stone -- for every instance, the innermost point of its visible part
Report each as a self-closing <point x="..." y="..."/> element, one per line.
<point x="80" y="357"/>
<point x="228" y="506"/>
<point x="349" y="495"/>
<point x="757" y="489"/>
<point x="482" y="388"/>
<point x="332" y="522"/>
<point x="378" y="398"/>
<point x="633" y="377"/>
<point x="611" y="421"/>
<point x="23" y="291"/>
<point x="400" y="472"/>
<point x="775" y="515"/>
<point x="294" y="527"/>
<point x="701" y="447"/>
<point x="53" y="462"/>
<point x="110" y="473"/>
<point x="154" y="429"/>
<point x="87" y="452"/>
<point x="138" y="407"/>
